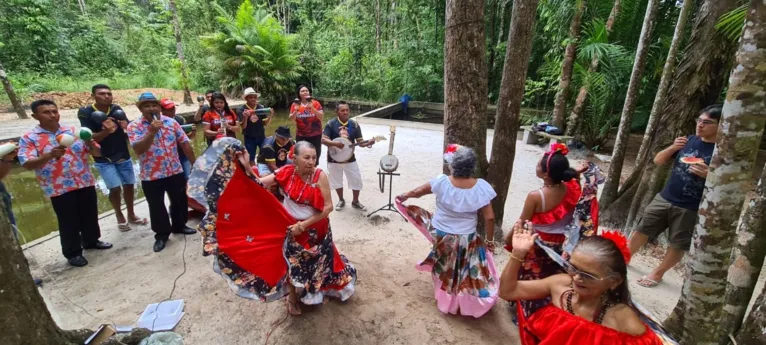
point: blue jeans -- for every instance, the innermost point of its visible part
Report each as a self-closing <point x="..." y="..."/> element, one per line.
<point x="116" y="174"/>
<point x="252" y="144"/>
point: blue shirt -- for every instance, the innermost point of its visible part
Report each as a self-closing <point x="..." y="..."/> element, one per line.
<point x="684" y="189"/>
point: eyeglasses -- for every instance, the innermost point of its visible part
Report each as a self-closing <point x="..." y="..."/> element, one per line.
<point x="585" y="276"/>
<point x="706" y="122"/>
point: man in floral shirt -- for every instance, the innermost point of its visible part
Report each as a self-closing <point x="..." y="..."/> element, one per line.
<point x="155" y="139"/>
<point x="65" y="177"/>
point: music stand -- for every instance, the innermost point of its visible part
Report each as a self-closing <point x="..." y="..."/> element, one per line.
<point x="390" y="206"/>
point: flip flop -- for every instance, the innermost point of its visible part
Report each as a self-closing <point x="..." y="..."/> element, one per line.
<point x="123" y="227"/>
<point x="648" y="283"/>
<point x="139" y="221"/>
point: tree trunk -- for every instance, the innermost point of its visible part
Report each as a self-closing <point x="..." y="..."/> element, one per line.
<point x="180" y="51"/>
<point x="81" y="3"/>
<point x="746" y="260"/>
<point x="377" y="26"/>
<point x="17" y="106"/>
<point x="26" y="319"/>
<point x="496" y="7"/>
<point x="582" y="95"/>
<point x="698" y="315"/>
<point x="560" y="105"/>
<point x="609" y="193"/>
<point x="697" y="82"/>
<point x="465" y="79"/>
<point x="662" y="92"/>
<point x="520" y="38"/>
<point x="752" y="328"/>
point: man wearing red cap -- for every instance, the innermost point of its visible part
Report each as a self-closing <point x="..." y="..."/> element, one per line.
<point x="169" y="110"/>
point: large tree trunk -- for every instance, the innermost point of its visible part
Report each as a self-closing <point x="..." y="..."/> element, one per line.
<point x="26" y="319"/>
<point x="180" y="51"/>
<point x="612" y="183"/>
<point x="17" y="106"/>
<point x="662" y="92"/>
<point x="697" y="316"/>
<point x="560" y="105"/>
<point x="697" y="82"/>
<point x="752" y="329"/>
<point x="377" y="26"/>
<point x="582" y="95"/>
<point x="465" y="79"/>
<point x="509" y="105"/>
<point x="746" y="259"/>
<point x="495" y="9"/>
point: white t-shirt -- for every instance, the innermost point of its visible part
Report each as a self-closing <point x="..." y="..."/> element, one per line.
<point x="456" y="208"/>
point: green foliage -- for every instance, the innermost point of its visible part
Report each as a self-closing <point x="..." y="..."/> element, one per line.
<point x="252" y="50"/>
<point x="732" y="23"/>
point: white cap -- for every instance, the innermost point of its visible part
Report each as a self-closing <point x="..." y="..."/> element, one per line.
<point x="250" y="91"/>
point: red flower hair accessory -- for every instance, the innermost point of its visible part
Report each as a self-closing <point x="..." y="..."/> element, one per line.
<point x="450" y="152"/>
<point x="291" y="154"/>
<point x="555" y="147"/>
<point x="620" y="241"/>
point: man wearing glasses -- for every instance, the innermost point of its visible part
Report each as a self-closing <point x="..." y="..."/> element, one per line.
<point x="675" y="208"/>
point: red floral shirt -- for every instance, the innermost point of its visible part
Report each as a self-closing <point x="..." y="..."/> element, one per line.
<point x="161" y="160"/>
<point x="62" y="175"/>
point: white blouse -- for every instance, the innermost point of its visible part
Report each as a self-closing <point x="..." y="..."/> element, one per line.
<point x="456" y="208"/>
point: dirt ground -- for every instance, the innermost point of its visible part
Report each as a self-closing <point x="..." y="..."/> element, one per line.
<point x="393" y="304"/>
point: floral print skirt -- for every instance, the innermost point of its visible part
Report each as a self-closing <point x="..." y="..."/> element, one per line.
<point x="463" y="272"/>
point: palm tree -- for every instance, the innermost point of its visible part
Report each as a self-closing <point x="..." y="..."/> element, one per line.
<point x="253" y="50"/>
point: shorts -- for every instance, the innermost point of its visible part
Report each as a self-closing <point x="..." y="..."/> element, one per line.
<point x="661" y="215"/>
<point x="186" y="165"/>
<point x="263" y="169"/>
<point x="351" y="170"/>
<point x="116" y="174"/>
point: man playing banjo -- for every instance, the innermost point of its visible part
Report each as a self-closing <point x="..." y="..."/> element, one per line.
<point x="338" y="135"/>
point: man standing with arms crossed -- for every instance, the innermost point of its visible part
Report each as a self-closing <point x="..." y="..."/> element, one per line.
<point x="675" y="208"/>
<point x="156" y="138"/>
<point x="114" y="165"/>
<point x="342" y="126"/>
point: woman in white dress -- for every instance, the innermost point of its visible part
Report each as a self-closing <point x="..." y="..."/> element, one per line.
<point x="460" y="262"/>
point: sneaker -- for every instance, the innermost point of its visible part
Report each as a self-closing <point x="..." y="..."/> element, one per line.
<point x="340" y="205"/>
<point x="358" y="205"/>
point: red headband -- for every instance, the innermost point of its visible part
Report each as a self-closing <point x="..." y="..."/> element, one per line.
<point x="555" y="147"/>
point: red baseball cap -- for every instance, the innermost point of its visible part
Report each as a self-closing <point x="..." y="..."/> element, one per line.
<point x="167" y="104"/>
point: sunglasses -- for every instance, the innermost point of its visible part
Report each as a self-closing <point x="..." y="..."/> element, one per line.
<point x="585" y="276"/>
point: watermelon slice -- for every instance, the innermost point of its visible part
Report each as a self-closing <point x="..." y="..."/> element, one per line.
<point x="692" y="160"/>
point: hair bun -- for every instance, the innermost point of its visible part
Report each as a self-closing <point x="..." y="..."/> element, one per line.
<point x="568" y="175"/>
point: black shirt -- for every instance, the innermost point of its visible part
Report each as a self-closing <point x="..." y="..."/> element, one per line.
<point x="253" y="129"/>
<point x="684" y="189"/>
<point x="181" y="155"/>
<point x="272" y="152"/>
<point x="351" y="131"/>
<point x="114" y="147"/>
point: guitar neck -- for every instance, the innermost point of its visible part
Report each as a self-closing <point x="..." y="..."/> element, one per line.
<point x="391" y="144"/>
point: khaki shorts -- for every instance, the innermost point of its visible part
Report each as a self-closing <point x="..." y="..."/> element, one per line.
<point x="661" y="215"/>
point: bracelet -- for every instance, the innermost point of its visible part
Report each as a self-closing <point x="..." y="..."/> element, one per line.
<point x="516" y="258"/>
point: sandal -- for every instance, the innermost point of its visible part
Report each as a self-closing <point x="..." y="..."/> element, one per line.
<point x="648" y="283"/>
<point x="139" y="221"/>
<point x="293" y="308"/>
<point x="123" y="227"/>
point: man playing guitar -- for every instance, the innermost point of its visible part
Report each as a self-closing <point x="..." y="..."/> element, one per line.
<point x="343" y="127"/>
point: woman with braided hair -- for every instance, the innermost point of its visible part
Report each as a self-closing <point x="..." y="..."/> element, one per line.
<point x="591" y="302"/>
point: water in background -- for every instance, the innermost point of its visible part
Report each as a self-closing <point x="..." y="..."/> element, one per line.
<point x="34" y="213"/>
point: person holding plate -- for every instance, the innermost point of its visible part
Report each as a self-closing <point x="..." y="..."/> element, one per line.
<point x="253" y="126"/>
<point x="343" y="127"/>
<point x="675" y="208"/>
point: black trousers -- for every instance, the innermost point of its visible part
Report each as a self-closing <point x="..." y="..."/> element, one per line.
<point x="175" y="188"/>
<point x="77" y="214"/>
<point x="315" y="140"/>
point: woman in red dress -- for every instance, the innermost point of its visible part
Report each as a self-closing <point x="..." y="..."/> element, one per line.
<point x="220" y="121"/>
<point x="551" y="209"/>
<point x="266" y="249"/>
<point x="590" y="303"/>
<point x="307" y="114"/>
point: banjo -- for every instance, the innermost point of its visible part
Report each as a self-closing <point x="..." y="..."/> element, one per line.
<point x="390" y="163"/>
<point x="342" y="155"/>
